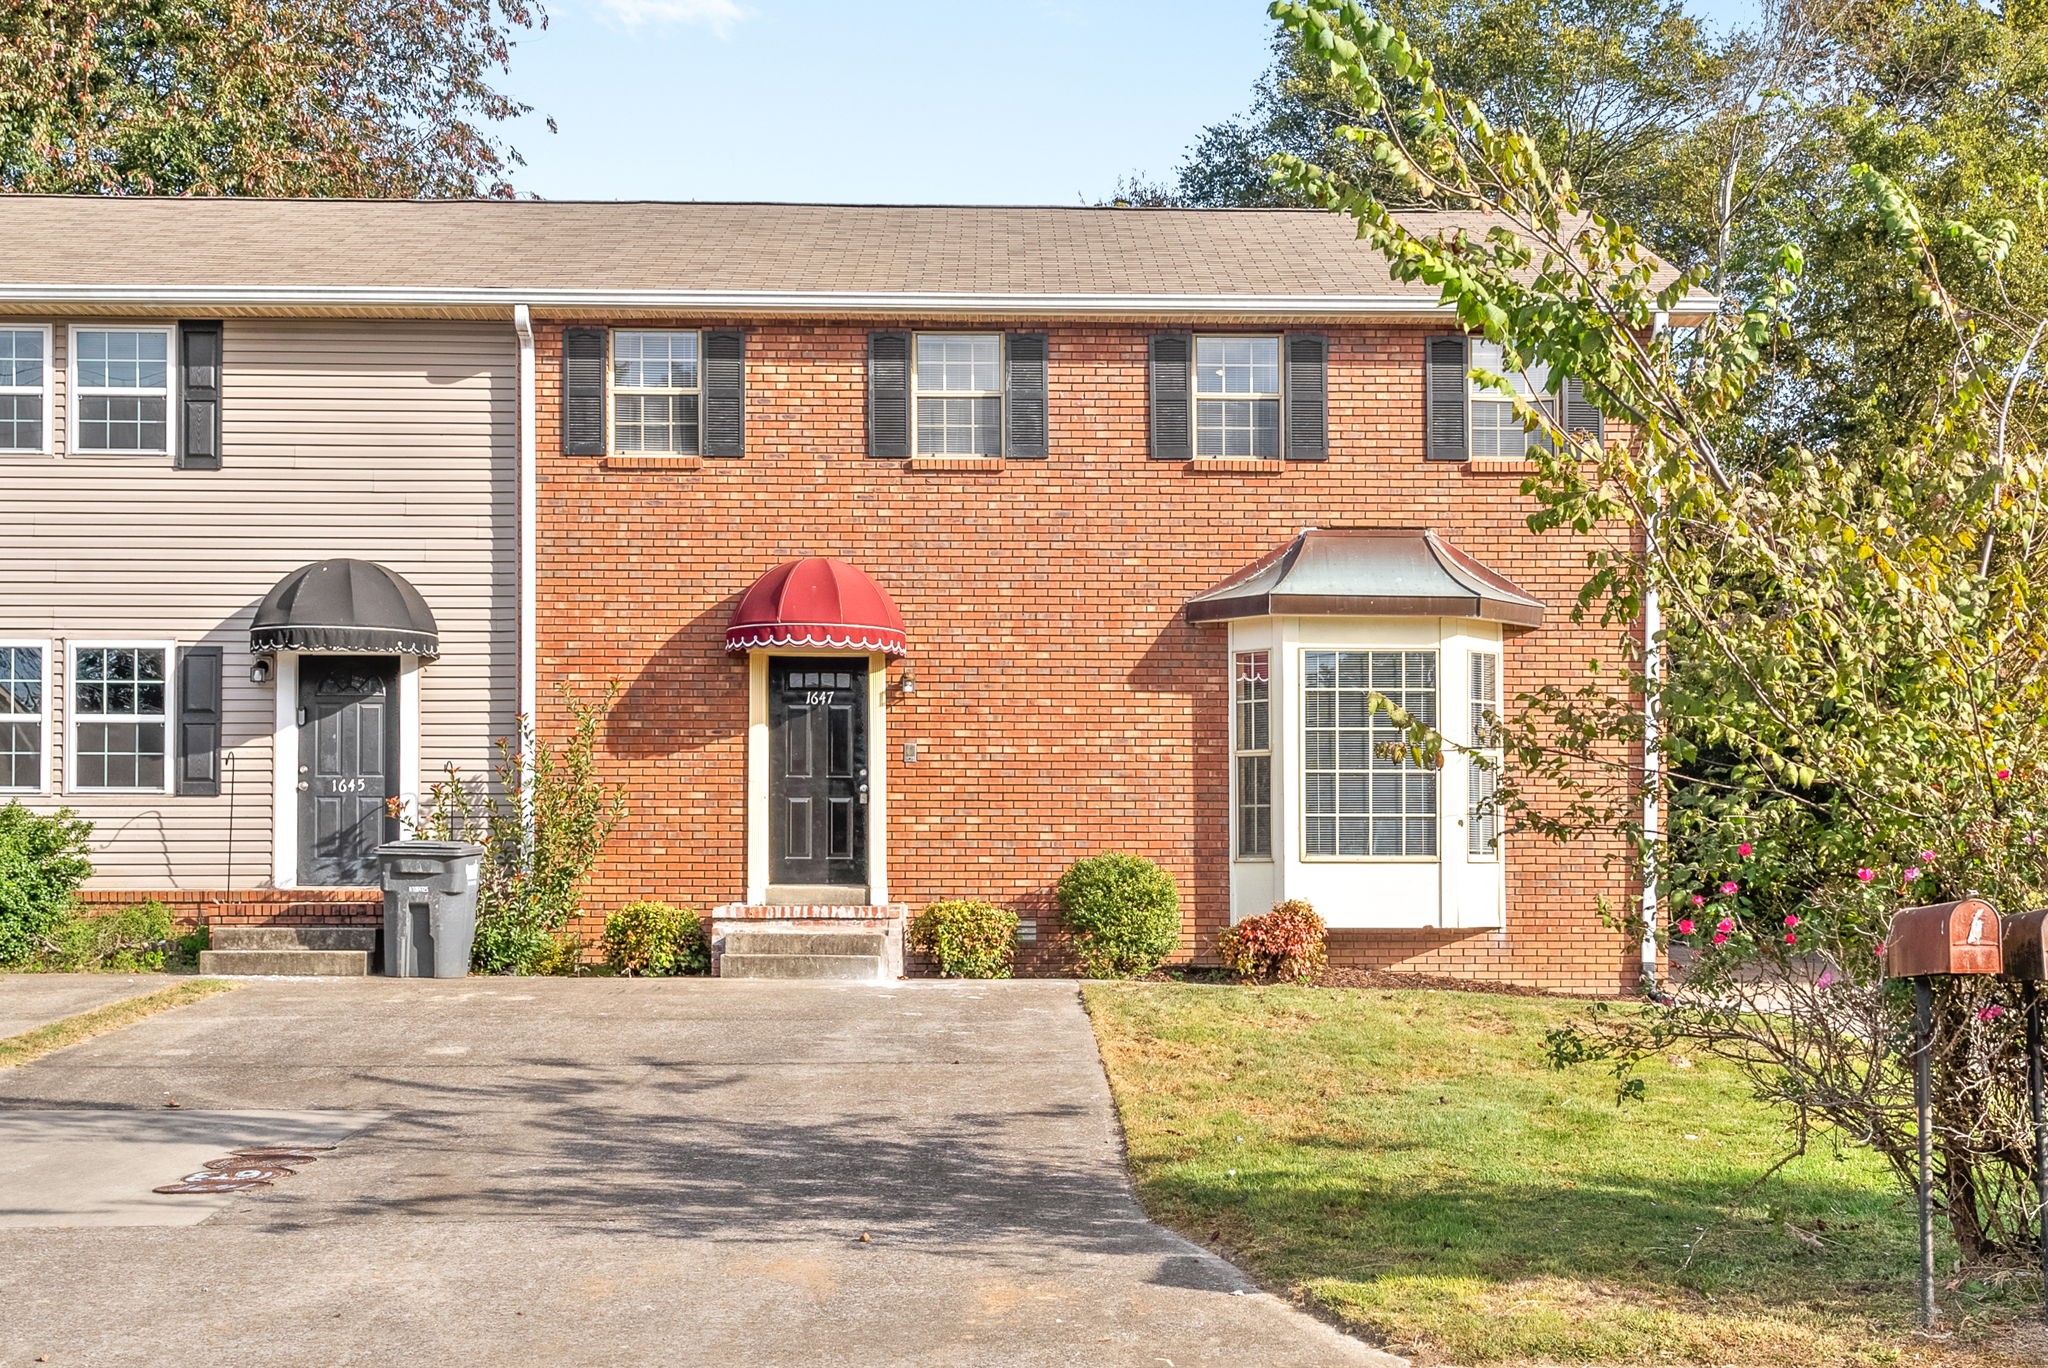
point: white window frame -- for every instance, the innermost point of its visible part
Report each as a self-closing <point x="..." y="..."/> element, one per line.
<point x="1301" y="770"/>
<point x="49" y="675"/>
<point x="73" y="394"/>
<point x="1240" y="751"/>
<point x="612" y="390"/>
<point x="1550" y="401"/>
<point x="49" y="391"/>
<point x="72" y="717"/>
<point x="1001" y="394"/>
<point x="1197" y="398"/>
<point x="1487" y="745"/>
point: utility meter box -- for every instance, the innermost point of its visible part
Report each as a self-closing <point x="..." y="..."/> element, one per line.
<point x="429" y="906"/>
<point x="1959" y="937"/>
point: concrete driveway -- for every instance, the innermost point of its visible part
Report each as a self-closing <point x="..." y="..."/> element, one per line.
<point x="31" y="1000"/>
<point x="617" y="1172"/>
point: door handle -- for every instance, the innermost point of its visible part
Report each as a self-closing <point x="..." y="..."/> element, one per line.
<point x="863" y="792"/>
<point x="303" y="786"/>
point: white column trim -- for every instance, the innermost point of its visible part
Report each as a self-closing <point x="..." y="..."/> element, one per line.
<point x="284" y="784"/>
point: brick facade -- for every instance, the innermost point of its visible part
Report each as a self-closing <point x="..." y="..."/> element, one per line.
<point x="1064" y="705"/>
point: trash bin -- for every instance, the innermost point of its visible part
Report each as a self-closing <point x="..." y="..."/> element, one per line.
<point x="429" y="906"/>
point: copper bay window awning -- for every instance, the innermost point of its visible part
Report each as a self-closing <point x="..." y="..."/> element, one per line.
<point x="1369" y="572"/>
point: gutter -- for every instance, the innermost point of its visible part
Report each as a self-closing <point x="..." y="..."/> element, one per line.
<point x="1653" y="759"/>
<point x="865" y="302"/>
<point x="529" y="555"/>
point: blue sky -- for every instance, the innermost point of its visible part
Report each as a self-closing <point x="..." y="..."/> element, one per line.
<point x="891" y="101"/>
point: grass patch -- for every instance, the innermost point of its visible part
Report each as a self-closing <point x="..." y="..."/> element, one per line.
<point x="1408" y="1163"/>
<point x="34" y="1044"/>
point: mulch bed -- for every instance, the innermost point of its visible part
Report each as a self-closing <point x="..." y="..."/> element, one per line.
<point x="1383" y="980"/>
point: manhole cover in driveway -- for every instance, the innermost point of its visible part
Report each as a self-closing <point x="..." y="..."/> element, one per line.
<point x="110" y="1168"/>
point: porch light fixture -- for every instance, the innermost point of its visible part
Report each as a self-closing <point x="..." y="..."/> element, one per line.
<point x="259" y="670"/>
<point x="906" y="685"/>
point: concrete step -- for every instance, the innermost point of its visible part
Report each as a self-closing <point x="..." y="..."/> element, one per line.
<point x="319" y="963"/>
<point x="806" y="943"/>
<point x="292" y="937"/>
<point x="846" y="968"/>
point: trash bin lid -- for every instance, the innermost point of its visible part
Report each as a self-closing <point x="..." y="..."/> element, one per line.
<point x="428" y="850"/>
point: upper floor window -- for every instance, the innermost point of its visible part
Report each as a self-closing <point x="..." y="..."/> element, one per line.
<point x="1237" y="396"/>
<point x="656" y="388"/>
<point x="121" y="393"/>
<point x="957" y="387"/>
<point x="24" y="388"/>
<point x="24" y="717"/>
<point x="1365" y="794"/>
<point x="1496" y="430"/>
<point x="120" y="714"/>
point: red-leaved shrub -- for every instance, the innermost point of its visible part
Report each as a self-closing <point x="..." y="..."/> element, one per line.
<point x="1286" y="943"/>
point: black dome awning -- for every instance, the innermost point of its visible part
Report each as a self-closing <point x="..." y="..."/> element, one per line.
<point x="344" y="605"/>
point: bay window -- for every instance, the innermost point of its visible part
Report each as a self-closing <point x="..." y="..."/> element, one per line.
<point x="1253" y="747"/>
<point x="1482" y="817"/>
<point x="1365" y="793"/>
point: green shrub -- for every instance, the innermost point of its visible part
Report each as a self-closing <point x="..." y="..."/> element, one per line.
<point x="1285" y="943"/>
<point x="43" y="860"/>
<point x="1123" y="911"/>
<point x="655" y="940"/>
<point x="561" y="955"/>
<point x="127" y="940"/>
<point x="969" y="938"/>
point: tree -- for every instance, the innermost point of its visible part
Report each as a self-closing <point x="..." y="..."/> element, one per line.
<point x="1858" y="629"/>
<point x="257" y="97"/>
<point x="1605" y="86"/>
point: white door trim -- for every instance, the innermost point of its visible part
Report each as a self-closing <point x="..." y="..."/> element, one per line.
<point x="284" y="779"/>
<point x="757" y="769"/>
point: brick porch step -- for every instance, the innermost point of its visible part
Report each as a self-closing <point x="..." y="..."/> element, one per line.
<point x="850" y="943"/>
<point x="796" y="965"/>
<point x="314" y="951"/>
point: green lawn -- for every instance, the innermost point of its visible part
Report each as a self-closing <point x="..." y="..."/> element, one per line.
<point x="1409" y="1163"/>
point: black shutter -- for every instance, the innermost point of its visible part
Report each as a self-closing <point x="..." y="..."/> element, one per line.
<point x="199" y="384"/>
<point x="1448" y="371"/>
<point x="889" y="395"/>
<point x="1173" y="379"/>
<point x="1580" y="416"/>
<point x="583" y="392"/>
<point x="725" y="398"/>
<point x="199" y="722"/>
<point x="1024" y="432"/>
<point x="1308" y="397"/>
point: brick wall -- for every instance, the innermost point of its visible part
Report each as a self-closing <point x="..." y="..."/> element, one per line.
<point x="1063" y="706"/>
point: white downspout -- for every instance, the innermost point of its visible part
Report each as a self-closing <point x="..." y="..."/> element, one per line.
<point x="529" y="551"/>
<point x="1653" y="760"/>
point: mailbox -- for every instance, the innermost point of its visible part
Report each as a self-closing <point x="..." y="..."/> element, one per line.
<point x="2026" y="952"/>
<point x="1946" y="938"/>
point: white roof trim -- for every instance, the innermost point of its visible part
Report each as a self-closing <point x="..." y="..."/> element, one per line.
<point x="738" y="301"/>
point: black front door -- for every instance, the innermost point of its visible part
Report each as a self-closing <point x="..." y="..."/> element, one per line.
<point x="348" y="766"/>
<point x="818" y="771"/>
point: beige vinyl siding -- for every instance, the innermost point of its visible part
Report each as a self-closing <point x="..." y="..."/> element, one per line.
<point x="387" y="441"/>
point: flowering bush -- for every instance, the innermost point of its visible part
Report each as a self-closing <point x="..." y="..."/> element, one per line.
<point x="968" y="938"/>
<point x="1285" y="943"/>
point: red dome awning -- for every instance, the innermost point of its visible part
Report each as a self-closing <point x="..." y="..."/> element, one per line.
<point x="820" y="602"/>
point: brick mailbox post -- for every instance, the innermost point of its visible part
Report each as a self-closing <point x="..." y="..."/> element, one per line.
<point x="1942" y="940"/>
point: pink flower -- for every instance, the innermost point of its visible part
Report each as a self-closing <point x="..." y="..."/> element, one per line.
<point x="1744" y="849"/>
<point x="1879" y="952"/>
<point x="1791" y="920"/>
<point x="1912" y="873"/>
<point x="1698" y="901"/>
<point x="1991" y="1013"/>
<point x="1791" y="938"/>
<point x="1927" y="857"/>
<point x="1731" y="888"/>
<point x="1685" y="926"/>
<point x="1725" y="925"/>
<point x="2004" y="774"/>
<point x="1720" y="936"/>
<point x="1826" y="980"/>
<point x="1865" y="875"/>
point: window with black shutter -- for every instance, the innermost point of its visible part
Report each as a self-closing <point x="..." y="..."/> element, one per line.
<point x="199" y="346"/>
<point x="583" y="359"/>
<point x="889" y="395"/>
